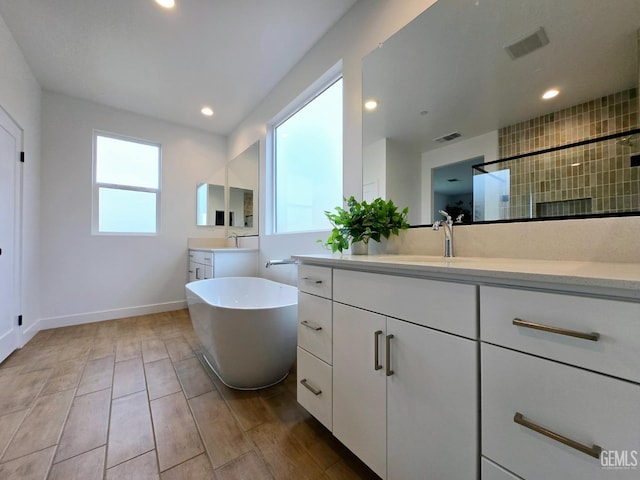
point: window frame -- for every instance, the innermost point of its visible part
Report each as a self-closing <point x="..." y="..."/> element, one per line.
<point x="96" y="186"/>
<point x="316" y="89"/>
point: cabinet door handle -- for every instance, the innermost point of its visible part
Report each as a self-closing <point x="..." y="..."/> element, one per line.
<point x="197" y="273"/>
<point x="310" y="325"/>
<point x="376" y="350"/>
<point x="388" y="353"/>
<point x="311" y="279"/>
<point x="593" y="451"/>
<point x="594" y="336"/>
<point x="312" y="389"/>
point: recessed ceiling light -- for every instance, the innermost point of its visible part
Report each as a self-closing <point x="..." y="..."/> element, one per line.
<point x="166" y="3"/>
<point x="208" y="111"/>
<point x="550" y="93"/>
<point x="371" y="104"/>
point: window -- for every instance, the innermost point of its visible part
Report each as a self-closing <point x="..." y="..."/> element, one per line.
<point x="308" y="162"/>
<point x="126" y="188"/>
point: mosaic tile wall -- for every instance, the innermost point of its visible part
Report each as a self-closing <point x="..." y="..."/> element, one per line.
<point x="568" y="181"/>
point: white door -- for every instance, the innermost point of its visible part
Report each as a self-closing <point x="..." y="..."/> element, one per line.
<point x="432" y="405"/>
<point x="359" y="397"/>
<point x="10" y="145"/>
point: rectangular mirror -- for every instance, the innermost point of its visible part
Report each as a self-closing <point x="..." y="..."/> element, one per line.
<point x="242" y="179"/>
<point x="462" y="84"/>
<point x="209" y="205"/>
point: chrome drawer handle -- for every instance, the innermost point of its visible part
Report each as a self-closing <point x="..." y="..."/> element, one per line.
<point x="594" y="336"/>
<point x="376" y="350"/>
<point x="316" y="281"/>
<point x="593" y="451"/>
<point x="389" y="371"/>
<point x="310" y="325"/>
<point x="313" y="390"/>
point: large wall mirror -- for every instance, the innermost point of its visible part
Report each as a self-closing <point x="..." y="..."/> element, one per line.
<point x="459" y="91"/>
<point x="242" y="179"/>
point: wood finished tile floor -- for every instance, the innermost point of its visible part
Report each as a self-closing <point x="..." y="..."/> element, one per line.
<point x="129" y="399"/>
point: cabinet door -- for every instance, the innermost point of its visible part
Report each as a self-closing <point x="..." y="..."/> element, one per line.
<point x="359" y="397"/>
<point x="432" y="404"/>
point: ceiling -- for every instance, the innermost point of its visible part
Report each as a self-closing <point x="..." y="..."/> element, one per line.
<point x="167" y="64"/>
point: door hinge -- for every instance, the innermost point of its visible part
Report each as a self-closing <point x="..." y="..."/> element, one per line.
<point x="22" y="157"/>
<point x="19" y="320"/>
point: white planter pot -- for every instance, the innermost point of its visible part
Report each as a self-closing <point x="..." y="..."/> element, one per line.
<point x="359" y="248"/>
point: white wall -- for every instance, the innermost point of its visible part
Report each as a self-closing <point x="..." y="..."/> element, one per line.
<point x="87" y="277"/>
<point x="483" y="145"/>
<point x="20" y="96"/>
<point x="403" y="179"/>
<point x="357" y="33"/>
<point x="374" y="171"/>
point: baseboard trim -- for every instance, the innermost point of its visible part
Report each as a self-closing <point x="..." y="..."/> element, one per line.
<point x="90" y="317"/>
<point x="30" y="332"/>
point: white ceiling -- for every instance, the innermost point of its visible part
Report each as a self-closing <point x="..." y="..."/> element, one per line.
<point x="134" y="55"/>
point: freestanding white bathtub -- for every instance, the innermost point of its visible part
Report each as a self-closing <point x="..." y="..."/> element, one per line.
<point x="248" y="328"/>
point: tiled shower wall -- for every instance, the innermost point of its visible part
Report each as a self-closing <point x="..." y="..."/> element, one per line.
<point x="596" y="177"/>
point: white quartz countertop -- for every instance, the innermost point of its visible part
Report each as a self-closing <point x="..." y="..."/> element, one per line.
<point x="225" y="250"/>
<point x="596" y="278"/>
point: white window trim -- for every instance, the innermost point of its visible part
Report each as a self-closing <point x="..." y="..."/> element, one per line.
<point x="95" y="207"/>
<point x="332" y="75"/>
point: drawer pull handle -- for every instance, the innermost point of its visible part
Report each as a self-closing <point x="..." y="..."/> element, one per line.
<point x="312" y="389"/>
<point x="310" y="325"/>
<point x="376" y="350"/>
<point x="388" y="359"/>
<point x="311" y="279"/>
<point x="593" y="451"/>
<point x="594" y="336"/>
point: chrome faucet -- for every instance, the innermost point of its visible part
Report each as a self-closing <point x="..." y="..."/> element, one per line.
<point x="234" y="235"/>
<point x="448" y="231"/>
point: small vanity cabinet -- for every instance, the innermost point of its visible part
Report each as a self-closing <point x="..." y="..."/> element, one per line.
<point x="200" y="264"/>
<point x="560" y="386"/>
<point x="222" y="262"/>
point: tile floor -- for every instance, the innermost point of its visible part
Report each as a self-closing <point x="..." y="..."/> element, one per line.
<point x="129" y="399"/>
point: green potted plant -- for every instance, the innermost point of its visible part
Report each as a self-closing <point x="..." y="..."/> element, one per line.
<point x="363" y="221"/>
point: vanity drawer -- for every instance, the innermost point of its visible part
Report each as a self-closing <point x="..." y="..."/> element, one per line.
<point x="315" y="326"/>
<point x="315" y="280"/>
<point x="616" y="350"/>
<point x="200" y="256"/>
<point x="584" y="407"/>
<point x="315" y="387"/>
<point x="446" y="306"/>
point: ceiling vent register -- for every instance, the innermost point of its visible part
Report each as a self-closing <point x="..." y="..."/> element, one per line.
<point x="528" y="44"/>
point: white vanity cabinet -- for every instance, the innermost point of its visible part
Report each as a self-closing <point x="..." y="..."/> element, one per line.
<point x="222" y="262"/>
<point x="490" y="369"/>
<point x="200" y="264"/>
<point x="405" y="394"/>
<point x="560" y="393"/>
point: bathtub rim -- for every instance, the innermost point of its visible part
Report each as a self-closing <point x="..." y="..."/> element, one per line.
<point x="243" y="307"/>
